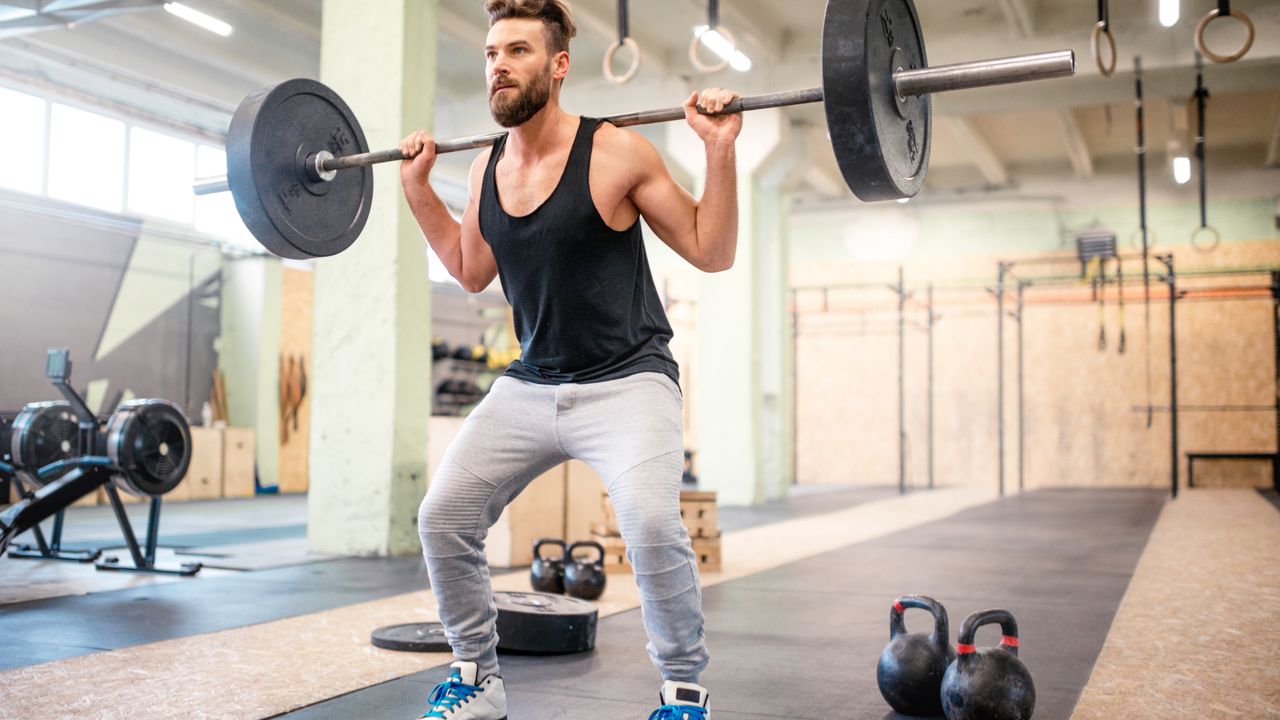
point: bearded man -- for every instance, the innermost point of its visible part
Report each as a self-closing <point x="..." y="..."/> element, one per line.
<point x="555" y="209"/>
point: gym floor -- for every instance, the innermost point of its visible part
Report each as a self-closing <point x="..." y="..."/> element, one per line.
<point x="1103" y="583"/>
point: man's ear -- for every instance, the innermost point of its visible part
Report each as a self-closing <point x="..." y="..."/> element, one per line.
<point x="561" y="64"/>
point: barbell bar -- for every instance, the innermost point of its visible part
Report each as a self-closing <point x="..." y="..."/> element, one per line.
<point x="298" y="165"/>
<point x="925" y="81"/>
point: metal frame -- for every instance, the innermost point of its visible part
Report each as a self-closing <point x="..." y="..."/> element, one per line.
<point x="1176" y="295"/>
<point x="903" y="295"/>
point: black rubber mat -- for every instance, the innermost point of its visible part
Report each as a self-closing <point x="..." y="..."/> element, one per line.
<point x="1272" y="497"/>
<point x="59" y="628"/>
<point x="812" y="500"/>
<point x="801" y="641"/>
<point x="184" y="541"/>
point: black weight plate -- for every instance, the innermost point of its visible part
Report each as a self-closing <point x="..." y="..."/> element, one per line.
<point x="545" y="624"/>
<point x="881" y="144"/>
<point x="44" y="433"/>
<point x="272" y="132"/>
<point x="149" y="443"/>
<point x="412" y="637"/>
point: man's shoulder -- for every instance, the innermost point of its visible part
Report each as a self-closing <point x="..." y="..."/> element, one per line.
<point x="622" y="144"/>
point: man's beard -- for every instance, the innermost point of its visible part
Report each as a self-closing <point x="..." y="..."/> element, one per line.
<point x="512" y="111"/>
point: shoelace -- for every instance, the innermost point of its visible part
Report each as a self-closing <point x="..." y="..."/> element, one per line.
<point x="679" y="712"/>
<point x="448" y="695"/>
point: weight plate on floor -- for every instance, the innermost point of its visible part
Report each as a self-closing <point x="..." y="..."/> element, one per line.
<point x="272" y="134"/>
<point x="44" y="433"/>
<point x="149" y="443"/>
<point x="412" y="637"/>
<point x="545" y="624"/>
<point x="881" y="141"/>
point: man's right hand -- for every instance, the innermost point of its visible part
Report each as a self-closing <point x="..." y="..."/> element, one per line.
<point x="419" y="149"/>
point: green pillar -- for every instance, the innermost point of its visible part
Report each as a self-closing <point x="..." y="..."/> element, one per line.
<point x="249" y="355"/>
<point x="741" y="381"/>
<point x="372" y="324"/>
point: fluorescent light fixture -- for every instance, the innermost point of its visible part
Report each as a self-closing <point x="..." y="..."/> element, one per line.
<point x="1169" y="12"/>
<point x="195" y="17"/>
<point x="720" y="45"/>
<point x="1182" y="169"/>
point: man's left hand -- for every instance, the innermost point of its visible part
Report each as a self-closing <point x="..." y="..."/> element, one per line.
<point x="716" y="127"/>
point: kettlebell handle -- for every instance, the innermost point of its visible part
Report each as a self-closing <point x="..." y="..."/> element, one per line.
<point x="586" y="544"/>
<point x="941" y="628"/>
<point x="537" y="547"/>
<point x="969" y="629"/>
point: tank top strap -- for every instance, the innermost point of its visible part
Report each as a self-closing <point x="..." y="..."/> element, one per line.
<point x="578" y="169"/>
<point x="489" y="188"/>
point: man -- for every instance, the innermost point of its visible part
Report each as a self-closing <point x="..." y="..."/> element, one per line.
<point x="555" y="208"/>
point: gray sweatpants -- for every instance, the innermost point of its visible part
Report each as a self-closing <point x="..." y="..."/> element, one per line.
<point x="630" y="432"/>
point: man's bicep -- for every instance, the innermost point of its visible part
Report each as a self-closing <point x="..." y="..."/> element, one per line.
<point x="478" y="265"/>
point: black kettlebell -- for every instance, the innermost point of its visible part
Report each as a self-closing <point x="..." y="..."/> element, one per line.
<point x="912" y="665"/>
<point x="991" y="683"/>
<point x="584" y="579"/>
<point x="547" y="574"/>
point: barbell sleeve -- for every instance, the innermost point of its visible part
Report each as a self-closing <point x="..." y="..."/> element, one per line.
<point x="210" y="185"/>
<point x="907" y="82"/>
<point x="984" y="73"/>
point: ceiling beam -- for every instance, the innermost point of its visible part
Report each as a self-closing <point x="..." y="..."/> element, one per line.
<point x="980" y="150"/>
<point x="450" y="22"/>
<point x="1073" y="140"/>
<point x="292" y="22"/>
<point x="1018" y="16"/>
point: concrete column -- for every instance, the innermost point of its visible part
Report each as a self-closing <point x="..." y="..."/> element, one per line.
<point x="249" y="355"/>
<point x="742" y="377"/>
<point x="372" y="324"/>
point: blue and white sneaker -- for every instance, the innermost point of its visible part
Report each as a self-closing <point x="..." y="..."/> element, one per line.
<point x="461" y="698"/>
<point x="682" y="701"/>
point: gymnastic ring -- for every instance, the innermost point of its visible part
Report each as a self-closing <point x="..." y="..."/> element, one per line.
<point x="1204" y="25"/>
<point x="1217" y="239"/>
<point x="631" y="69"/>
<point x="1135" y="239"/>
<point x="697" y="61"/>
<point x="1100" y="31"/>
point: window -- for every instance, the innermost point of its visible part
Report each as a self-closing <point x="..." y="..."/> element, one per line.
<point x="216" y="214"/>
<point x="23" y="117"/>
<point x="160" y="171"/>
<point x="86" y="158"/>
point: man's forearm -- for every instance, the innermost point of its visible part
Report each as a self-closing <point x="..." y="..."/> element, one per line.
<point x="443" y="233"/>
<point x="718" y="210"/>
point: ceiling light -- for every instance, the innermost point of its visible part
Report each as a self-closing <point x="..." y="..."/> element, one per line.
<point x="720" y="45"/>
<point x="1169" y="12"/>
<point x="212" y="24"/>
<point x="1182" y="169"/>
<point x="904" y="201"/>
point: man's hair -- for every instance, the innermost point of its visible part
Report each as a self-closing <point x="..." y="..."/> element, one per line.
<point x="556" y="17"/>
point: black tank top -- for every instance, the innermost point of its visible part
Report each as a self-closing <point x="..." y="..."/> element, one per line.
<point x="585" y="306"/>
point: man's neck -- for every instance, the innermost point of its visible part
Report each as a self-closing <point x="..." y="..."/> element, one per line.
<point x="540" y="135"/>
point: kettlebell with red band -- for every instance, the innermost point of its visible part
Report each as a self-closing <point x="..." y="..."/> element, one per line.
<point x="912" y="665"/>
<point x="988" y="683"/>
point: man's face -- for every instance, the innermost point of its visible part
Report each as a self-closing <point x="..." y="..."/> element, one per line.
<point x="519" y="70"/>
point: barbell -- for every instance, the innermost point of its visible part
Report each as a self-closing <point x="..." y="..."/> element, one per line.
<point x="287" y="143"/>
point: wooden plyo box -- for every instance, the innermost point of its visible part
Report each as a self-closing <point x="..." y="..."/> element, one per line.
<point x="204" y="476"/>
<point x="698" y="510"/>
<point x="238" y="463"/>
